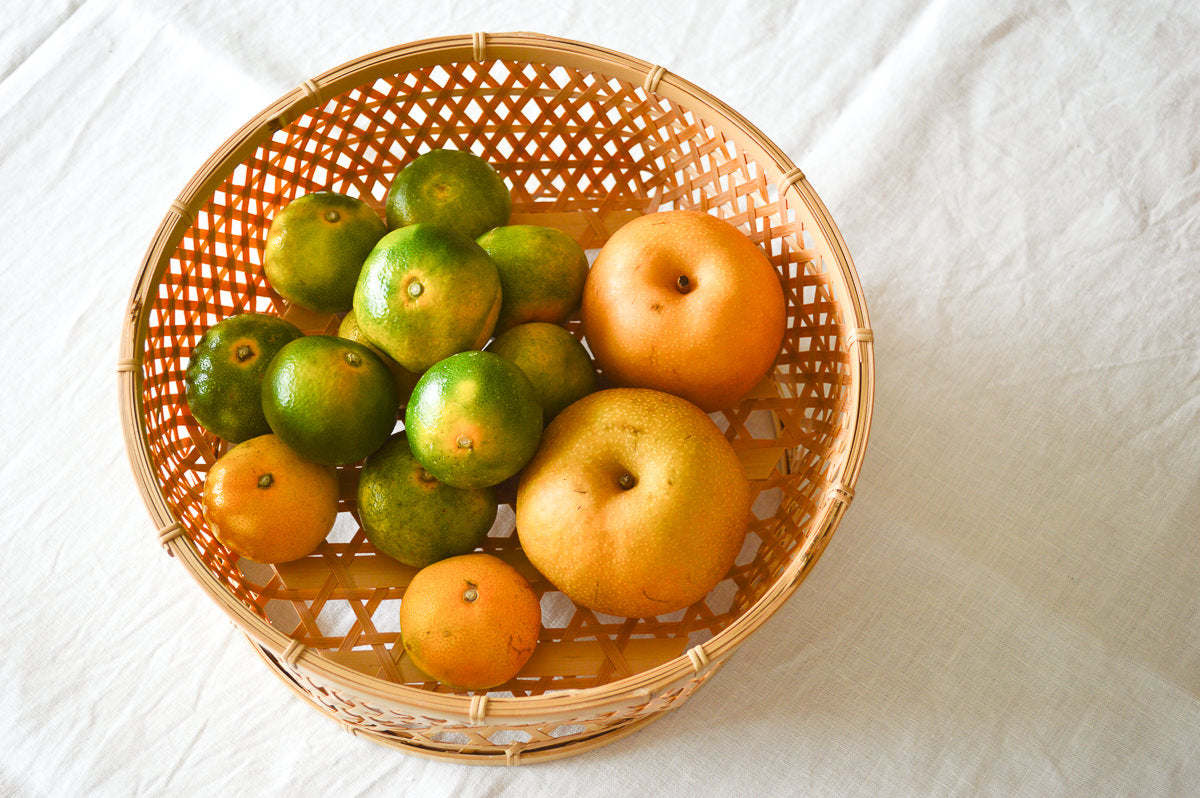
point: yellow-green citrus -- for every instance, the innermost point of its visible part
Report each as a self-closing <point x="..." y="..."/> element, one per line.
<point x="405" y="379"/>
<point x="411" y="516"/>
<point x="555" y="362"/>
<point x="453" y="189"/>
<point x="315" y="249"/>
<point x="542" y="273"/>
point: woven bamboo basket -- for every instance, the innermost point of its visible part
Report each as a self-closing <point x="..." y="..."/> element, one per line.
<point x="586" y="139"/>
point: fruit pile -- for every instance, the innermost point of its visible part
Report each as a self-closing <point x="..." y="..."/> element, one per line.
<point x="629" y="499"/>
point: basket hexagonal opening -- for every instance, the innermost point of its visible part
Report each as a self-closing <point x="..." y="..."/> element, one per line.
<point x="586" y="139"/>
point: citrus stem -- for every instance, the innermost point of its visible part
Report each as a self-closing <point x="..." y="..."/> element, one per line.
<point x="332" y="215"/>
<point x="244" y="353"/>
<point x="266" y="480"/>
<point x="626" y="481"/>
<point x="353" y="359"/>
<point x="470" y="594"/>
<point x="465" y="443"/>
<point x="415" y="289"/>
<point x="682" y="284"/>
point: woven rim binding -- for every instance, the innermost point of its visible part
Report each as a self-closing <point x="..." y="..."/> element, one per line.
<point x="629" y="691"/>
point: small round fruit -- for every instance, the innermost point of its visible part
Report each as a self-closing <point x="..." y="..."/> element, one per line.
<point x="683" y="302"/>
<point x="265" y="502"/>
<point x="405" y="379"/>
<point x="410" y="516"/>
<point x="471" y="622"/>
<point x="223" y="383"/>
<point x="635" y="505"/>
<point x="332" y="400"/>
<point x="542" y="272"/>
<point x="426" y="293"/>
<point x="315" y="249"/>
<point x="554" y="361"/>
<point x="453" y="189"/>
<point x="473" y="420"/>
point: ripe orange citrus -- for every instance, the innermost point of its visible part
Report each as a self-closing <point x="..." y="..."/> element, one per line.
<point x="542" y="272"/>
<point x="684" y="302"/>
<point x="554" y="361"/>
<point x="405" y="379"/>
<point x="265" y="502"/>
<point x="635" y="504"/>
<point x="223" y="384"/>
<point x="471" y="622"/>
<point x="332" y="400"/>
<point x="453" y="189"/>
<point x="316" y="246"/>
<point x="410" y="516"/>
<point x="473" y="420"/>
<point x="426" y="293"/>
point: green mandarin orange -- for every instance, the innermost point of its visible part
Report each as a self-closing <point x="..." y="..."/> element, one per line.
<point x="453" y="189"/>
<point x="315" y="249"/>
<point x="426" y="293"/>
<point x="411" y="516"/>
<point x="332" y="400"/>
<point x="223" y="382"/>
<point x="473" y="420"/>
<point x="542" y="273"/>
<point x="555" y="362"/>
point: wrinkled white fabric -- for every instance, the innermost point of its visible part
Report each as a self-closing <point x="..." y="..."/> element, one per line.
<point x="1010" y="607"/>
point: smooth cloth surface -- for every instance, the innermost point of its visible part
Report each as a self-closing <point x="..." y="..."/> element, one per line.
<point x="1010" y="606"/>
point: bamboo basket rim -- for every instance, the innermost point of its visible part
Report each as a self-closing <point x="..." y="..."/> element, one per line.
<point x="554" y="51"/>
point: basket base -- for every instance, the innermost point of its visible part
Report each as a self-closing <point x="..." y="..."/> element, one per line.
<point x="474" y="754"/>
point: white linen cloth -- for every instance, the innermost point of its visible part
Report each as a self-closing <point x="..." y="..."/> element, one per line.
<point x="1010" y="607"/>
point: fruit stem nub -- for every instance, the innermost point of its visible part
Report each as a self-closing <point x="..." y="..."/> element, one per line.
<point x="332" y="215"/>
<point x="626" y="481"/>
<point x="266" y="480"/>
<point x="683" y="284"/>
<point x="244" y="353"/>
<point x="464" y="442"/>
<point x="470" y="594"/>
